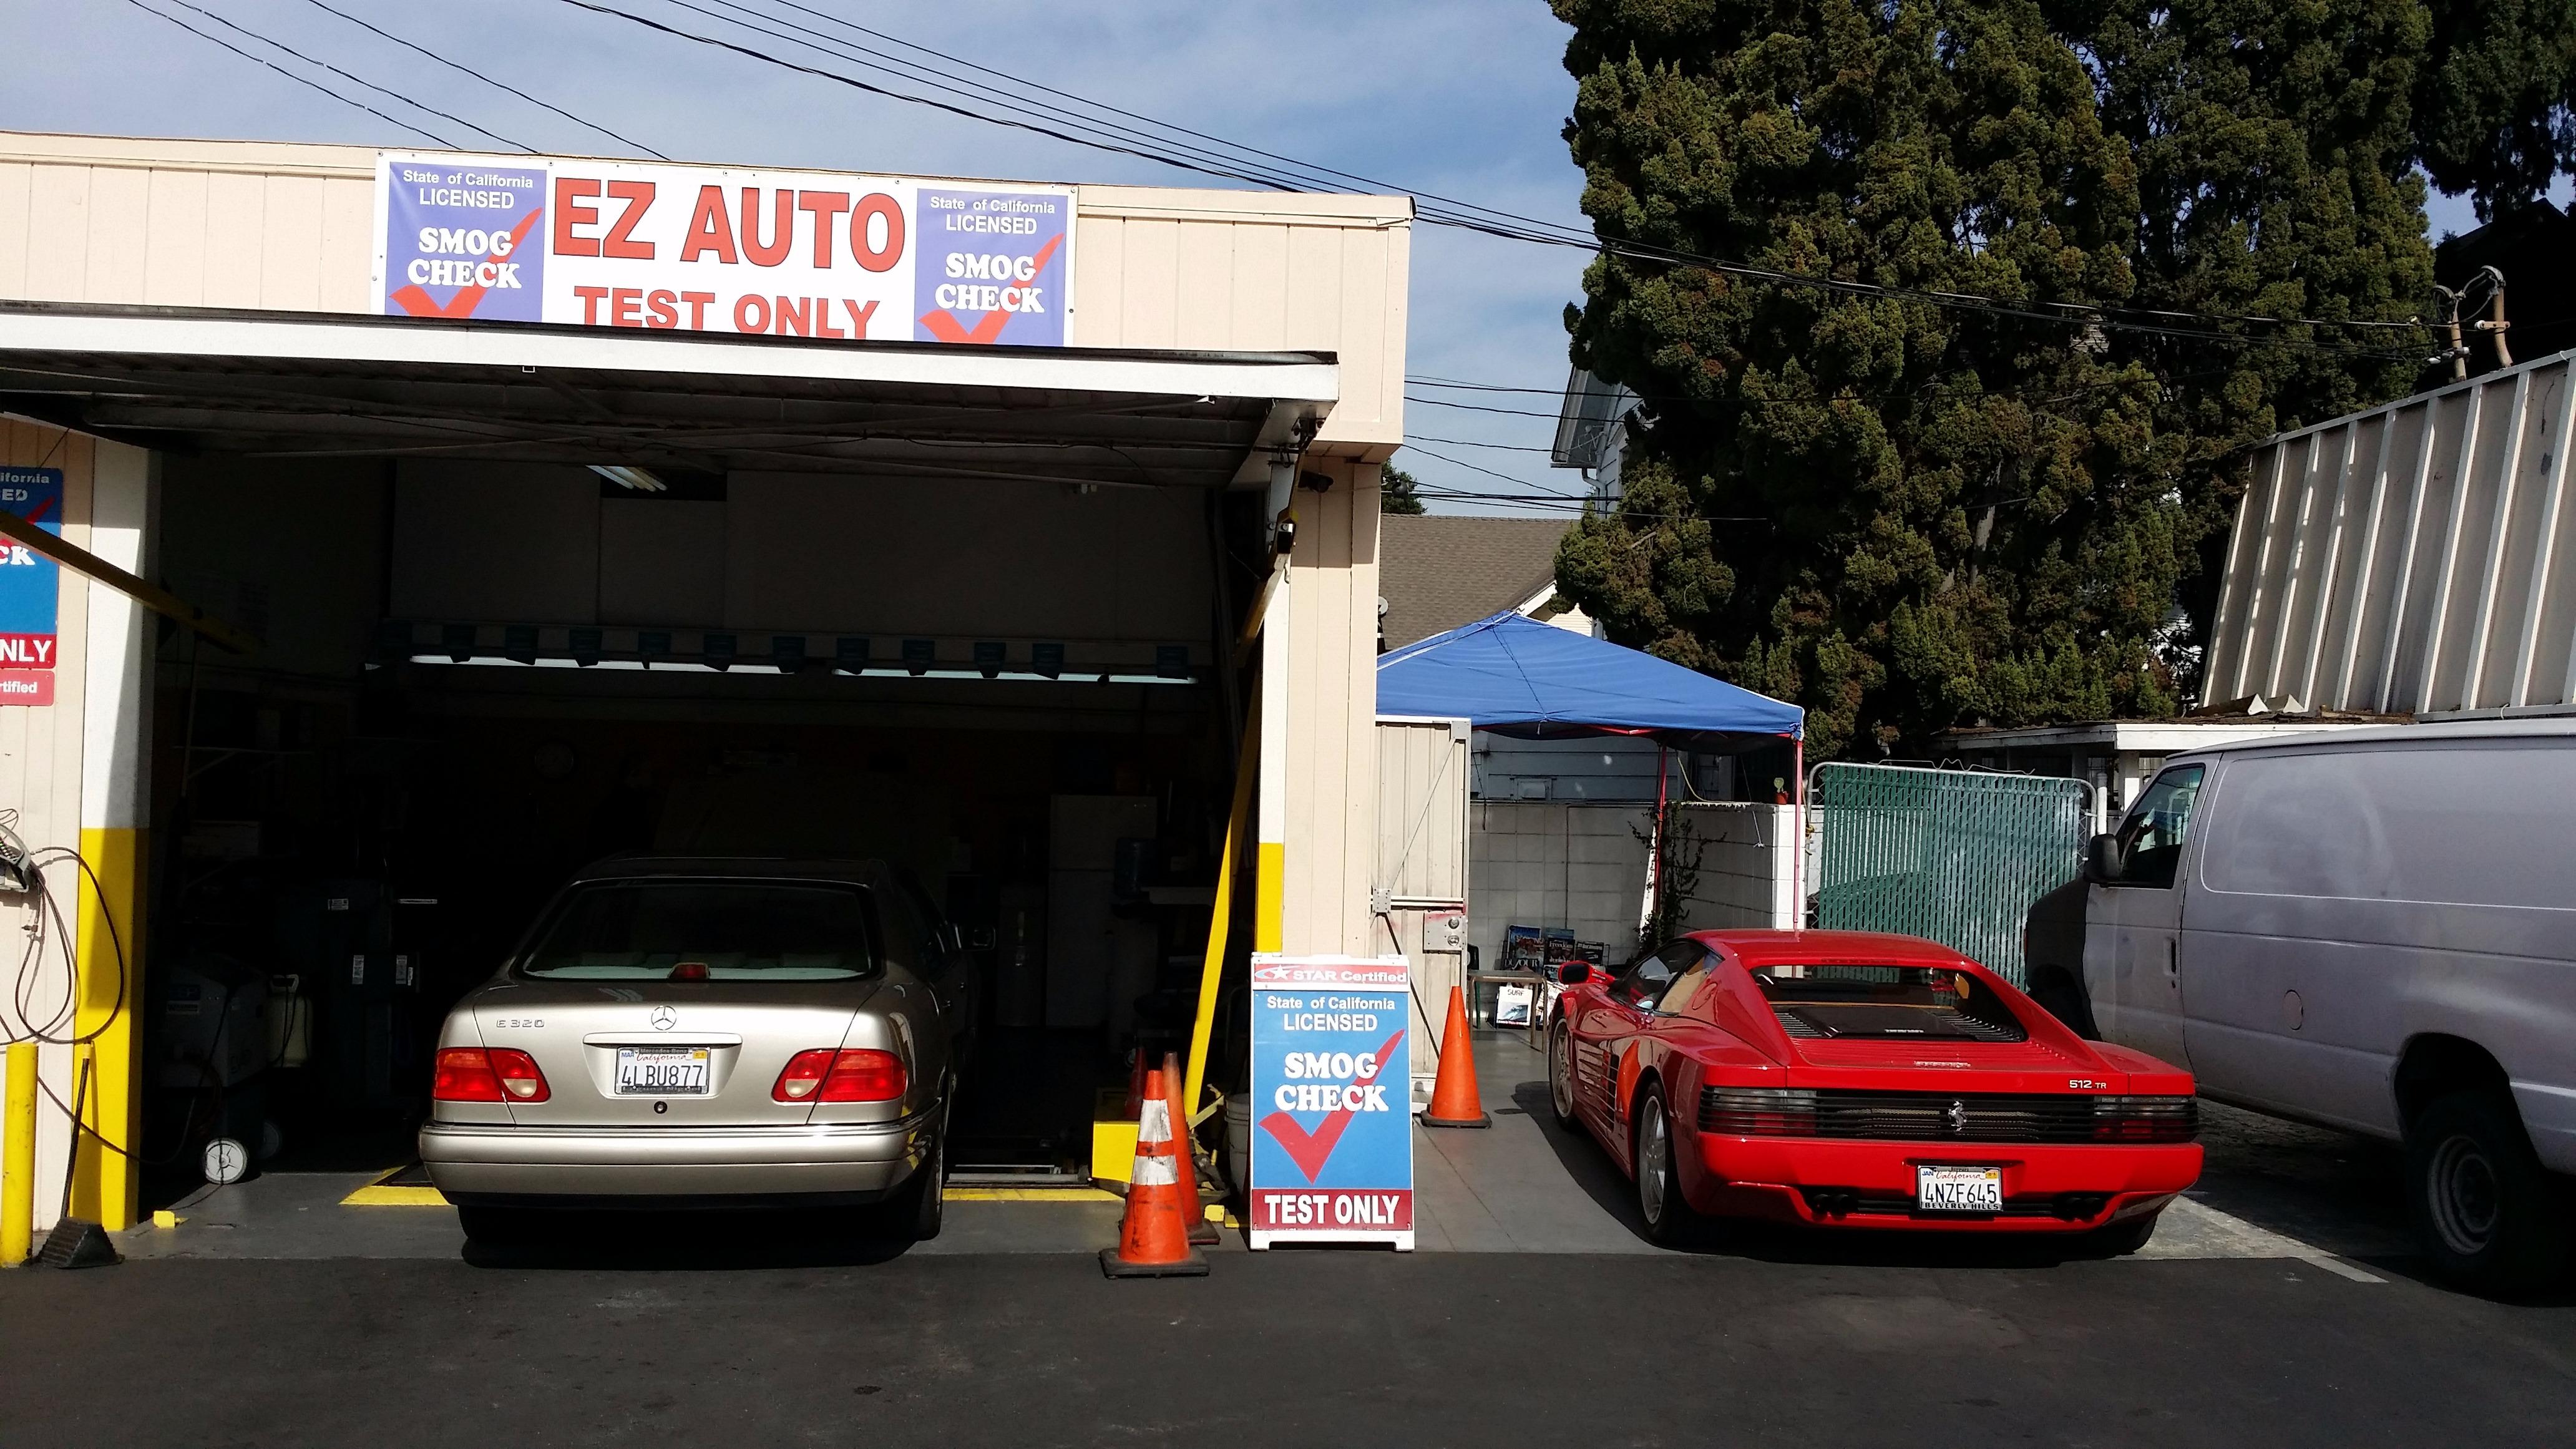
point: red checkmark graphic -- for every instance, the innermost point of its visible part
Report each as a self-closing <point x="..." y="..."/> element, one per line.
<point x="1310" y="1150"/>
<point x="946" y="328"/>
<point x="418" y="303"/>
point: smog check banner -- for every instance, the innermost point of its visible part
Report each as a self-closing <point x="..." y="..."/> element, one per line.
<point x="30" y="589"/>
<point x="706" y="249"/>
<point x="1332" y="1136"/>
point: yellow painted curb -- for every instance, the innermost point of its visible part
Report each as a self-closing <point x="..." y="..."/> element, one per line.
<point x="1029" y="1194"/>
<point x="376" y="1194"/>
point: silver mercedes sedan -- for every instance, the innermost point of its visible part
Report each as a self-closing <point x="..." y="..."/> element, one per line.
<point x="707" y="1032"/>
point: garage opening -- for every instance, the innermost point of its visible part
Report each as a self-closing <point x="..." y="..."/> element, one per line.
<point x="528" y="597"/>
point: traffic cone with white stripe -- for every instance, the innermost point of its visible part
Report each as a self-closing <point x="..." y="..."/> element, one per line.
<point x="1176" y="1084"/>
<point x="1154" y="1238"/>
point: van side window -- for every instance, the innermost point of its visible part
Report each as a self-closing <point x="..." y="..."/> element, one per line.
<point x="2152" y="835"/>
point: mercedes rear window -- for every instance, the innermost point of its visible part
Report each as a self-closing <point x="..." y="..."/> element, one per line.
<point x="1886" y="1003"/>
<point x="704" y="931"/>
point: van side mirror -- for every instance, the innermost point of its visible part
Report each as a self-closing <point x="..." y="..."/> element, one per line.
<point x="1573" y="973"/>
<point x="2102" y="860"/>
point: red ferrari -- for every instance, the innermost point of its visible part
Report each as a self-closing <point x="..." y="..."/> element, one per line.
<point x="1855" y="1080"/>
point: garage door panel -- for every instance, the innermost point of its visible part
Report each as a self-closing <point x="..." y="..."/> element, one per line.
<point x="943" y="558"/>
<point x="502" y="541"/>
<point x="661" y="562"/>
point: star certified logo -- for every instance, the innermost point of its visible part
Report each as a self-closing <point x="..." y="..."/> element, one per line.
<point x="1957" y="1115"/>
<point x="664" y="1018"/>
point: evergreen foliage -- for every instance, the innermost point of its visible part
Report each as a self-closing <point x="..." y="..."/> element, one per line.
<point x="1398" y="491"/>
<point x="1909" y="517"/>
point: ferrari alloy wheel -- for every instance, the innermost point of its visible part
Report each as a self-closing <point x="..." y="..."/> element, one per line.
<point x="1659" y="1181"/>
<point x="2485" y="1210"/>
<point x="1560" y="1073"/>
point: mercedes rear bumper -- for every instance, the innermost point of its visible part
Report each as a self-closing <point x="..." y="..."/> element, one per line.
<point x="476" y="1163"/>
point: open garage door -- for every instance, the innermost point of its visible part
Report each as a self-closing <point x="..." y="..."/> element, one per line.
<point x="531" y="596"/>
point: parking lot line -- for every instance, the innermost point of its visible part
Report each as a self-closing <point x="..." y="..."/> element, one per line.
<point x="2194" y="1229"/>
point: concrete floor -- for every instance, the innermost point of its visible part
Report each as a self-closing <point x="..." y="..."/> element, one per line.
<point x="2271" y="1191"/>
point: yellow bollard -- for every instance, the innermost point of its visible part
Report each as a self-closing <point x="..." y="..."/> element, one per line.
<point x="18" y="1170"/>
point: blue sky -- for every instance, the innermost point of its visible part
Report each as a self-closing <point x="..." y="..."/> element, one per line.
<point x="1459" y="97"/>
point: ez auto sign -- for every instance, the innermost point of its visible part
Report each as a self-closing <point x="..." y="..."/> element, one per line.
<point x="705" y="249"/>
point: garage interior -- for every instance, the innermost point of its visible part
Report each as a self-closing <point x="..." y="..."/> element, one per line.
<point x="574" y="597"/>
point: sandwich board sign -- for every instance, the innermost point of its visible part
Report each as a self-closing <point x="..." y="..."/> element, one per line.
<point x="1332" y="1122"/>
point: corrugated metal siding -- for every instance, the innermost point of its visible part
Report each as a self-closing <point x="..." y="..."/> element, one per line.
<point x="249" y="224"/>
<point x="1156" y="267"/>
<point x="1422" y="811"/>
<point x="1332" y="716"/>
<point x="186" y="224"/>
<point x="2420" y="557"/>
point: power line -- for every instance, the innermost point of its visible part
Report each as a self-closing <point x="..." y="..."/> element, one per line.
<point x="487" y="80"/>
<point x="1411" y="439"/>
<point x="1488" y="472"/>
<point x="1445" y="211"/>
<point x="872" y="89"/>
<point x="353" y="79"/>
<point x="298" y="79"/>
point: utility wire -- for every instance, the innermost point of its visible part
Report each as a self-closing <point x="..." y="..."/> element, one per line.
<point x="353" y="79"/>
<point x="1412" y="438"/>
<point x="487" y="80"/>
<point x="1443" y="211"/>
<point x="857" y="84"/>
<point x="298" y="79"/>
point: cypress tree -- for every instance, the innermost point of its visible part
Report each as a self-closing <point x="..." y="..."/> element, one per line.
<point x="1899" y="514"/>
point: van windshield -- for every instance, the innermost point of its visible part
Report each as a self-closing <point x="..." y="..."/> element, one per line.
<point x="699" y="930"/>
<point x="1916" y="1003"/>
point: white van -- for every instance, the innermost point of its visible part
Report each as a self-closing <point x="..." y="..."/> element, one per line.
<point x="2373" y="930"/>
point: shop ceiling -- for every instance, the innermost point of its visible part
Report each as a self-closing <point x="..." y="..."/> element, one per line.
<point x="290" y="385"/>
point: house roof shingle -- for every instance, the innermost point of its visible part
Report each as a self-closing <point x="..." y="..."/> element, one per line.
<point x="1437" y="572"/>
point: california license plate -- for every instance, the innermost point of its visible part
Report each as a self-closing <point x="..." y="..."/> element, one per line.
<point x="1959" y="1189"/>
<point x="663" y="1071"/>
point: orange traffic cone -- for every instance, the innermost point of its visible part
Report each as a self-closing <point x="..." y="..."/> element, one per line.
<point x="1154" y="1238"/>
<point x="1453" y="1094"/>
<point x="1176" y="1085"/>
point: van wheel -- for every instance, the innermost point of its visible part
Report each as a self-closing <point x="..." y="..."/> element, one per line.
<point x="2487" y="1213"/>
<point x="2060" y="997"/>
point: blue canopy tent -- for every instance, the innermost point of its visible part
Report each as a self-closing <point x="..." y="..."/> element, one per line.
<point x="1516" y="676"/>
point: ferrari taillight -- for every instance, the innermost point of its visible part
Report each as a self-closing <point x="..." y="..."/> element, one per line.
<point x="1758" y="1112"/>
<point x="2146" y="1119"/>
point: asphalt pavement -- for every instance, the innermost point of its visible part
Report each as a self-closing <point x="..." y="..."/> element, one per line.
<point x="2280" y="1305"/>
<point x="1287" y="1349"/>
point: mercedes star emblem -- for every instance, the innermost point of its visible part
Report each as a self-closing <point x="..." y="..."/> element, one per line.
<point x="664" y="1018"/>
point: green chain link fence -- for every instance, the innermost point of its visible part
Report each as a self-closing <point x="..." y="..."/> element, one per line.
<point x="1954" y="855"/>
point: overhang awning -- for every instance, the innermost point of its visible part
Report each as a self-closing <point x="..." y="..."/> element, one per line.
<point x="1514" y="675"/>
<point x="309" y="385"/>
